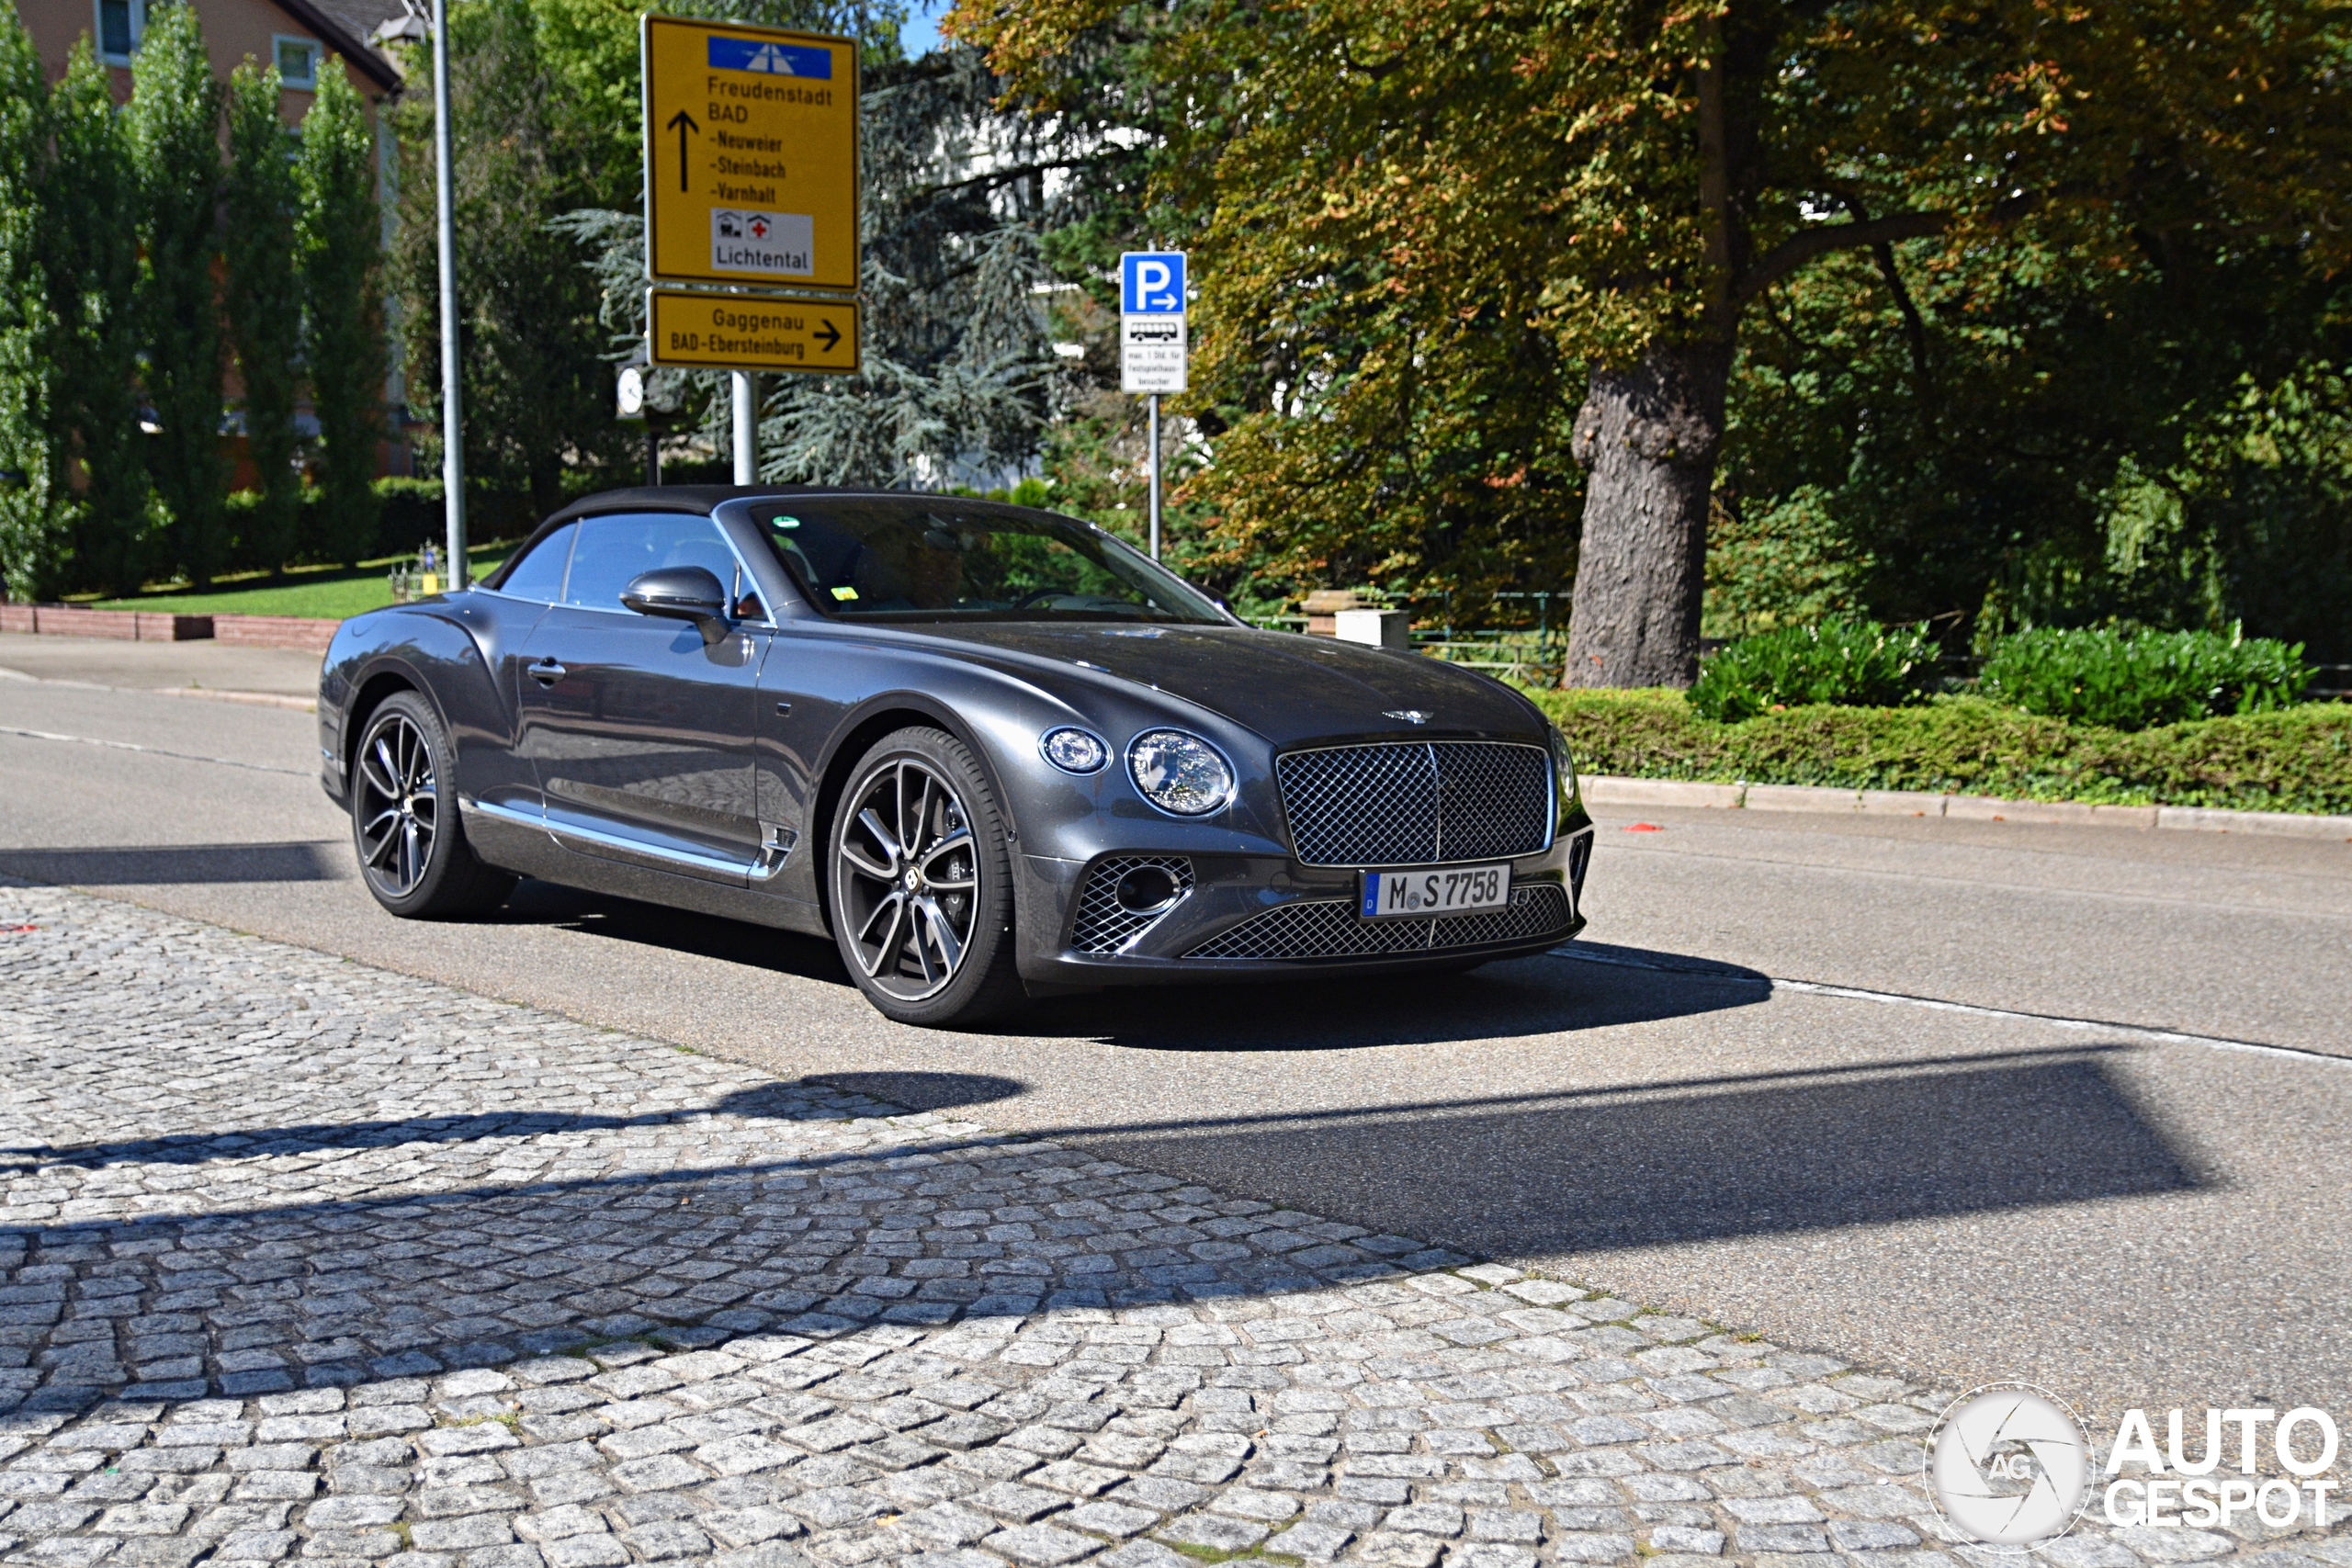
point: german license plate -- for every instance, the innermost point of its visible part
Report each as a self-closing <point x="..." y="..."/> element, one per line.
<point x="1433" y="890"/>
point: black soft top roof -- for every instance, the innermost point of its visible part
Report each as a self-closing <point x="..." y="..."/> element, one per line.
<point x="696" y="498"/>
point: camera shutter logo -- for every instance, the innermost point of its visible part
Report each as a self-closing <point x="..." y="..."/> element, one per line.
<point x="2009" y="1466"/>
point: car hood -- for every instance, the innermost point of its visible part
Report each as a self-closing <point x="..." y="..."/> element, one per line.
<point x="1285" y="687"/>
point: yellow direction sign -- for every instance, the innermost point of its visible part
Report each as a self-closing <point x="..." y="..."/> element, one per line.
<point x="748" y="332"/>
<point x="750" y="155"/>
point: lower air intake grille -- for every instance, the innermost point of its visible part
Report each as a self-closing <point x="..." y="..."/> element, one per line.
<point x="1104" y="925"/>
<point x="1330" y="929"/>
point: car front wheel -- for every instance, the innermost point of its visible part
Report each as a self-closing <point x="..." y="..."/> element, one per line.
<point x="922" y="883"/>
<point x="413" y="850"/>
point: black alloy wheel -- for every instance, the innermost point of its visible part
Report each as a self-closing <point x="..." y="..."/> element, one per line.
<point x="411" y="847"/>
<point x="922" y="883"/>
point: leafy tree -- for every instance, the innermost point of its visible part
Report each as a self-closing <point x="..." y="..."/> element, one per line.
<point x="533" y="142"/>
<point x="957" y="359"/>
<point x="2016" y="440"/>
<point x="1391" y="192"/>
<point x="261" y="202"/>
<point x="89" y="260"/>
<point x="342" y="242"/>
<point x="174" y="123"/>
<point x="33" y="540"/>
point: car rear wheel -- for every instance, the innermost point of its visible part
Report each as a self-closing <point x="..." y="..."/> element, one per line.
<point x="922" y="883"/>
<point x="413" y="850"/>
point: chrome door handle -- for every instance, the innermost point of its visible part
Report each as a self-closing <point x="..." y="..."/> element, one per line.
<point x="547" y="672"/>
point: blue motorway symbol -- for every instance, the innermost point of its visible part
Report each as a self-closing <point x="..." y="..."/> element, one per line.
<point x="1151" y="283"/>
<point x="770" y="59"/>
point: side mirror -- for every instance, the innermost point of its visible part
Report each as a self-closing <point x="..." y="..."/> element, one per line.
<point x="682" y="593"/>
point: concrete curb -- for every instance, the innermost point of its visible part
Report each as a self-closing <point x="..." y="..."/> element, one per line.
<point x="1607" y="790"/>
<point x="253" y="699"/>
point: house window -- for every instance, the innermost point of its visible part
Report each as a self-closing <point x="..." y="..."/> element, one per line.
<point x="120" y="24"/>
<point x="297" y="63"/>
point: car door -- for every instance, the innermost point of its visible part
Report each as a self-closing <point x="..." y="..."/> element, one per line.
<point x="638" y="728"/>
<point x="497" y="777"/>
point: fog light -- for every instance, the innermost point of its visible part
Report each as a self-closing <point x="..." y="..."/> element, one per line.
<point x="1146" y="890"/>
<point x="1073" y="750"/>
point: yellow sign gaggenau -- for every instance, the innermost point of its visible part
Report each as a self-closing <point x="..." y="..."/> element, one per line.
<point x="750" y="155"/>
<point x="746" y="331"/>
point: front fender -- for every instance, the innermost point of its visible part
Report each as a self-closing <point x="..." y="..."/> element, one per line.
<point x="435" y="653"/>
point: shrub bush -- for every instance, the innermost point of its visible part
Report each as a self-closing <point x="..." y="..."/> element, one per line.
<point x="2300" y="759"/>
<point x="1847" y="663"/>
<point x="2127" y="681"/>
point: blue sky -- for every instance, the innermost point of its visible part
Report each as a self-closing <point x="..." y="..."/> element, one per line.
<point x="923" y="26"/>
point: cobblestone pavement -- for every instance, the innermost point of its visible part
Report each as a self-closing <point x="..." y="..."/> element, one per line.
<point x="307" y="1262"/>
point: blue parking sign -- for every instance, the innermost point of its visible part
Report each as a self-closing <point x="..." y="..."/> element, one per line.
<point x="1151" y="283"/>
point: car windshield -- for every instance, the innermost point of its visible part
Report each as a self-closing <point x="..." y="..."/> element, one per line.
<point x="931" y="558"/>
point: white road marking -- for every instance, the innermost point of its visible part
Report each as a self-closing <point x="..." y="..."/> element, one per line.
<point x="152" y="750"/>
<point x="1897" y="998"/>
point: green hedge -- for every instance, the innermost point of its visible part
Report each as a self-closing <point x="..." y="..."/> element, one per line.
<point x="1851" y="663"/>
<point x="2300" y="759"/>
<point x="2133" y="680"/>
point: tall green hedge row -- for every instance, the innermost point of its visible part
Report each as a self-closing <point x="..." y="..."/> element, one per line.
<point x="2296" y="759"/>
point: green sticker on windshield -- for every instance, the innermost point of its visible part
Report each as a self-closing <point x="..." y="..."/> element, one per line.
<point x="783" y="522"/>
<point x="844" y="593"/>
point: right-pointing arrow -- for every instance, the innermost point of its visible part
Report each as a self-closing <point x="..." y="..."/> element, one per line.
<point x="830" y="336"/>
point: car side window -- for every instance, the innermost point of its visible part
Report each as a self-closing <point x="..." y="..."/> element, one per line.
<point x="539" y="575"/>
<point x="613" y="549"/>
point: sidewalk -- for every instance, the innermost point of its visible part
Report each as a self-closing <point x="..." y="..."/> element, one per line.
<point x="310" y="1261"/>
<point x="165" y="666"/>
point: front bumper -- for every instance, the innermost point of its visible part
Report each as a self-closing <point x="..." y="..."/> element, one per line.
<point x="1255" y="916"/>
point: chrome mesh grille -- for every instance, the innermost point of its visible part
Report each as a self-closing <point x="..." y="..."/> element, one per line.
<point x="1416" y="804"/>
<point x="1331" y="929"/>
<point x="1104" y="926"/>
<point x="1361" y="804"/>
<point x="1494" y="800"/>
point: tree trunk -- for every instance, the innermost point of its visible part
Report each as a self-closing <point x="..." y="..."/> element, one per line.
<point x="1648" y="433"/>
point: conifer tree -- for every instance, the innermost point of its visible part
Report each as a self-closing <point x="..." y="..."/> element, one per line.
<point x="89" y="262"/>
<point x="33" y="546"/>
<point x="174" y="126"/>
<point x="263" y="300"/>
<point x="341" y="287"/>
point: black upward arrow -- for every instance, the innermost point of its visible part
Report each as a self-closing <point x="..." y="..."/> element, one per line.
<point x="682" y="122"/>
<point x="831" y="337"/>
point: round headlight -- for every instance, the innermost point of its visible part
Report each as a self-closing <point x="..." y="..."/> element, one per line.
<point x="1073" y="750"/>
<point x="1565" y="774"/>
<point x="1181" y="774"/>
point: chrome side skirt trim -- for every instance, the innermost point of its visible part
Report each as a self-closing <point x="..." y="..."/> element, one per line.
<point x="609" y="845"/>
<point x="775" y="848"/>
<point x="505" y="813"/>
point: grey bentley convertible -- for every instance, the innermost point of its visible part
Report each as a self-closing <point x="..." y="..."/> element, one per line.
<point x="988" y="751"/>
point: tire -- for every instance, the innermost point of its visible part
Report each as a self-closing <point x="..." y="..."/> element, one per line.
<point x="920" y="883"/>
<point x="404" y="826"/>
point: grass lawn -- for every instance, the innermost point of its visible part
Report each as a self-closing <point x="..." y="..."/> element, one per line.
<point x="328" y="593"/>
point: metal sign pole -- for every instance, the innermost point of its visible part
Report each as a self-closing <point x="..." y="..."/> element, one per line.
<point x="453" y="444"/>
<point x="746" y="430"/>
<point x="1155" y="476"/>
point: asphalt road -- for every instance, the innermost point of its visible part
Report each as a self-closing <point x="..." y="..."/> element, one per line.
<point x="1963" y="1195"/>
